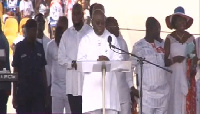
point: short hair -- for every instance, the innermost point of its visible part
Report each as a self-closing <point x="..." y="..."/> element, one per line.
<point x="39" y="15"/>
<point x="91" y="9"/>
<point x="98" y="12"/>
<point x="77" y="5"/>
<point x="31" y="23"/>
<point x="151" y="23"/>
<point x="63" y="19"/>
<point x="110" y="19"/>
<point x="99" y="6"/>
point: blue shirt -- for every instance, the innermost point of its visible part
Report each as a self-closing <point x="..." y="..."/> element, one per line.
<point x="4" y="64"/>
<point x="30" y="62"/>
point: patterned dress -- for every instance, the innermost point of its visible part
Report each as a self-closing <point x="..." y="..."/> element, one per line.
<point x="191" y="96"/>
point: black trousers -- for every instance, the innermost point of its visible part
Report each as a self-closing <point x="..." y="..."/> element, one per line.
<point x="48" y="107"/>
<point x="75" y="103"/>
<point x="32" y="104"/>
<point x="3" y="101"/>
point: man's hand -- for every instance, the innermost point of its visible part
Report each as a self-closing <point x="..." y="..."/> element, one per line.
<point x="103" y="58"/>
<point x="74" y="65"/>
<point x="134" y="92"/>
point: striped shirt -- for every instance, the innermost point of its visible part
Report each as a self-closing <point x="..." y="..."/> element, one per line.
<point x="154" y="84"/>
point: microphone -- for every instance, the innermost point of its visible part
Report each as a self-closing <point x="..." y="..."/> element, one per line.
<point x="109" y="41"/>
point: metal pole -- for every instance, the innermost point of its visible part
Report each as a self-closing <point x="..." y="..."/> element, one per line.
<point x="141" y="76"/>
<point x="103" y="85"/>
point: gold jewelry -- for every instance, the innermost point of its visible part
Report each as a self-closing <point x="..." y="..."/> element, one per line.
<point x="180" y="37"/>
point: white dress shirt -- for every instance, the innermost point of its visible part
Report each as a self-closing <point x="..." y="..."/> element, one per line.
<point x="68" y="49"/>
<point x="91" y="47"/>
<point x="44" y="41"/>
<point x="58" y="72"/>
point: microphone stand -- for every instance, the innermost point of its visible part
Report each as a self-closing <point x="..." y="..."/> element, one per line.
<point x="141" y="62"/>
<point x="103" y="69"/>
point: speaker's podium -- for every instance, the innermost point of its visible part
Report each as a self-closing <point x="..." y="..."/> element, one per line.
<point x="103" y="67"/>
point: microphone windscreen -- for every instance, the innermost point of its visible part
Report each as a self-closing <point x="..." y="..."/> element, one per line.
<point x="109" y="39"/>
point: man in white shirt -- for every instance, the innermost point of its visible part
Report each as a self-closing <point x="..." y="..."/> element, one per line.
<point x="11" y="6"/>
<point x="56" y="11"/>
<point x="26" y="8"/>
<point x="41" y="37"/>
<point x="94" y="47"/>
<point x="44" y="40"/>
<point x="155" y="87"/>
<point x="67" y="52"/>
<point x="124" y="80"/>
<point x="58" y="73"/>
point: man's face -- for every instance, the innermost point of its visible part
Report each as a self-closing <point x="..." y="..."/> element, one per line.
<point x="31" y="34"/>
<point x="113" y="28"/>
<point x="40" y="23"/>
<point x="77" y="15"/>
<point x="156" y="30"/>
<point x="98" y="23"/>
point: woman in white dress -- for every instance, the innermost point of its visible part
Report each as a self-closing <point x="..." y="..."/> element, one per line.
<point x="182" y="82"/>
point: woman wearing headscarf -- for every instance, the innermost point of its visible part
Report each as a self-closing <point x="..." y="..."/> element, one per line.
<point x="180" y="55"/>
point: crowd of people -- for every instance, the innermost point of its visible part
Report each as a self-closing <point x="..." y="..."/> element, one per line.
<point x="51" y="9"/>
<point x="49" y="82"/>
